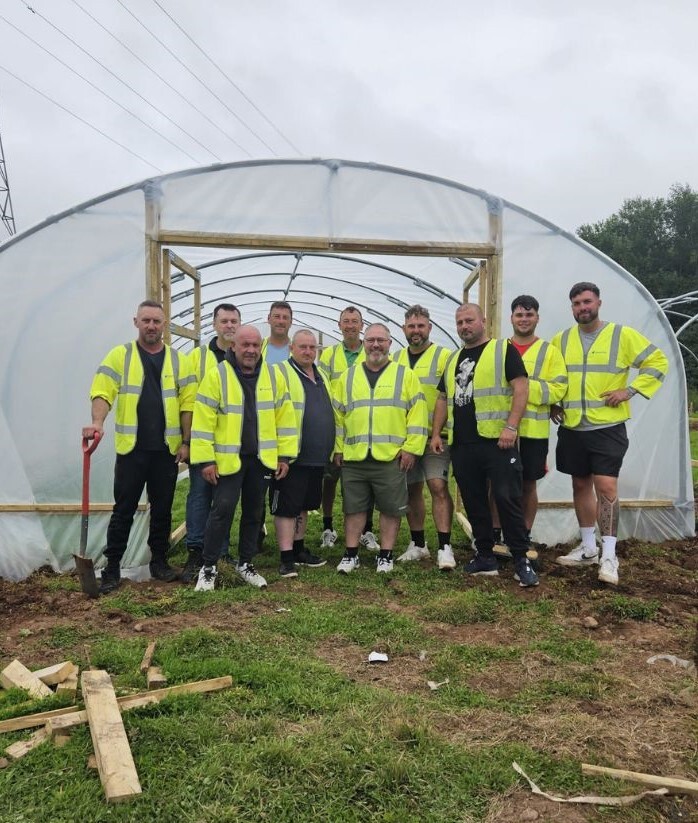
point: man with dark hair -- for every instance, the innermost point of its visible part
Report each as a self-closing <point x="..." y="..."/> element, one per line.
<point x="244" y="429"/>
<point x="226" y="319"/>
<point x="381" y="419"/>
<point x="427" y="361"/>
<point x="154" y="390"/>
<point x="591" y="440"/>
<point x="482" y="396"/>
<point x="291" y="497"/>
<point x="334" y="361"/>
<point x="276" y="347"/>
<point x="547" y="384"/>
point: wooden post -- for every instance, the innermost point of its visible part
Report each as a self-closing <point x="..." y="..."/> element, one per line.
<point x="166" y="280"/>
<point x="493" y="310"/>
<point x="153" y="276"/>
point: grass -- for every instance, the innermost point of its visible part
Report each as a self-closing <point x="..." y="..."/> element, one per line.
<point x="309" y="731"/>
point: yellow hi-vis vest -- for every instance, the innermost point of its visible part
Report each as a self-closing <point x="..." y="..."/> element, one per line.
<point x="383" y="420"/>
<point x="605" y="367"/>
<point x="428" y="370"/>
<point x="201" y="359"/>
<point x="547" y="384"/>
<point x="216" y="434"/>
<point x="120" y="377"/>
<point x="333" y="361"/>
<point x="297" y="393"/>
<point x="491" y="392"/>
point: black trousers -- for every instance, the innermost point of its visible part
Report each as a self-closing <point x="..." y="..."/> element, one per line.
<point x="155" y="471"/>
<point x="474" y="464"/>
<point x="250" y="483"/>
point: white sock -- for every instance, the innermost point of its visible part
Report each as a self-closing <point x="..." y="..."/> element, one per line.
<point x="589" y="538"/>
<point x="608" y="547"/>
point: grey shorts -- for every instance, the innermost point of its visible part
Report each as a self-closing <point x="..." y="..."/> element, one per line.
<point x="368" y="482"/>
<point x="430" y="466"/>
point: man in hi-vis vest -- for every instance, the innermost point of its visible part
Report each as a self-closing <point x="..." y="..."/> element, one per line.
<point x="427" y="361"/>
<point x="381" y="418"/>
<point x="592" y="440"/>
<point x="547" y="385"/>
<point x="244" y="430"/>
<point x="154" y="390"/>
<point x="482" y="396"/>
<point x="226" y="319"/>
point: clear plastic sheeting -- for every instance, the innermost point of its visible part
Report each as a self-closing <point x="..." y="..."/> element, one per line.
<point x="71" y="285"/>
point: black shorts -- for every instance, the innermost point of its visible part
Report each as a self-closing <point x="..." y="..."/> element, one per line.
<point x="534" y="457"/>
<point x="300" y="491"/>
<point x="596" y="451"/>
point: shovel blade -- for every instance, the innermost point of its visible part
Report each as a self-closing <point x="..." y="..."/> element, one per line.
<point x="86" y="572"/>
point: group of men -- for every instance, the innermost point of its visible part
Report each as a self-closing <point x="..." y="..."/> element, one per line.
<point x="251" y="415"/>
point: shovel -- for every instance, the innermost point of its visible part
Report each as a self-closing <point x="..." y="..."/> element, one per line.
<point x="84" y="565"/>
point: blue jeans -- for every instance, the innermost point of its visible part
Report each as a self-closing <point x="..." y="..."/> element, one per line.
<point x="199" y="502"/>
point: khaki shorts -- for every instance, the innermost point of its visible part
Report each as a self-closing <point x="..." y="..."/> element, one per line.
<point x="430" y="466"/>
<point x="368" y="482"/>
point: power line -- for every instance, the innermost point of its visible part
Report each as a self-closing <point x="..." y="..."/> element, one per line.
<point x="81" y="119"/>
<point x="232" y="82"/>
<point x="159" y="76"/>
<point x="124" y="83"/>
<point x="101" y="91"/>
<point x="196" y="77"/>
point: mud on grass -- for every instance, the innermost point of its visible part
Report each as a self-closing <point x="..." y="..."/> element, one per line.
<point x="317" y="731"/>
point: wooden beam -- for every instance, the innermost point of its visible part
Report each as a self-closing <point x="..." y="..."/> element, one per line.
<point x="148" y="657"/>
<point x="184" y="267"/>
<point x="137" y="701"/>
<point x="28" y="721"/>
<point x="178" y="533"/>
<point x="60" y="508"/>
<point x="624" y="504"/>
<point x="69" y="687"/>
<point x="22" y="747"/>
<point x="183" y="331"/>
<point x="347" y="244"/>
<point x="17" y="676"/>
<point x="117" y="771"/>
<point x="53" y="675"/>
<point x="155" y="678"/>
<point x="674" y="785"/>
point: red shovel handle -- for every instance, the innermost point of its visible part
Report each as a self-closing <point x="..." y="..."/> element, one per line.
<point x="86" y="447"/>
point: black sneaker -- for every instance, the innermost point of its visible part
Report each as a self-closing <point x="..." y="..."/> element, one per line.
<point x="160" y="569"/>
<point x="483" y="564"/>
<point x="524" y="573"/>
<point x="288" y="569"/>
<point x="111" y="579"/>
<point x="305" y="558"/>
<point x="191" y="569"/>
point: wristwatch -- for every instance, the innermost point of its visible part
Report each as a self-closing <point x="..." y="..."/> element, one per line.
<point x="511" y="428"/>
<point x="631" y="391"/>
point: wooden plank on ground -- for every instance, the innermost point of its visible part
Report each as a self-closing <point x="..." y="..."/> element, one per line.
<point x="27" y="721"/>
<point x="53" y="675"/>
<point x="148" y="657"/>
<point x="69" y="687"/>
<point x="17" y="676"/>
<point x="674" y="784"/>
<point x="155" y="678"/>
<point x="117" y="771"/>
<point x="136" y="701"/>
<point x="22" y="747"/>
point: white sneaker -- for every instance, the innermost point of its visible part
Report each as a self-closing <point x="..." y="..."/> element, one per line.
<point x="369" y="541"/>
<point x="445" y="559"/>
<point x="578" y="557"/>
<point x="608" y="570"/>
<point x="248" y="573"/>
<point x="384" y="565"/>
<point x="329" y="538"/>
<point x="414" y="553"/>
<point x="206" y="581"/>
<point x="348" y="564"/>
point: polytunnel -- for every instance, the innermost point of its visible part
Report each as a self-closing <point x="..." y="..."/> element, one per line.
<point x="322" y="234"/>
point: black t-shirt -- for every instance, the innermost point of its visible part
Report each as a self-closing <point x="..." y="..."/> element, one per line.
<point x="372" y="376"/>
<point x="413" y="358"/>
<point x="218" y="352"/>
<point x="151" y="413"/>
<point x="249" y="436"/>
<point x="317" y="436"/>
<point x="464" y="422"/>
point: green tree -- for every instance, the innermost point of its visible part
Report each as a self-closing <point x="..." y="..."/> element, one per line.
<point x="656" y="240"/>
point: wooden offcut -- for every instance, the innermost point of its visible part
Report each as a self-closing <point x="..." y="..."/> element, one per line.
<point x="155" y="678"/>
<point x="53" y="675"/>
<point x="148" y="657"/>
<point x="22" y="747"/>
<point x="17" y="676"/>
<point x="117" y="771"/>
<point x="69" y="686"/>
<point x="27" y="721"/>
<point x="674" y="785"/>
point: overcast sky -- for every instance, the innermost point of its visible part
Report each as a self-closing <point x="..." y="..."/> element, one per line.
<point x="563" y="108"/>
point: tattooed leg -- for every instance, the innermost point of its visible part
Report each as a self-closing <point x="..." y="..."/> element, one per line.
<point x="608" y="514"/>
